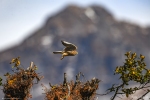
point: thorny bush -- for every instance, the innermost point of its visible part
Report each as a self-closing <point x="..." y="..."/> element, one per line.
<point x="77" y="90"/>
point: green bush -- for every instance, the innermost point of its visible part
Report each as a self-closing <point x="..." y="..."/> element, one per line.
<point x="134" y="70"/>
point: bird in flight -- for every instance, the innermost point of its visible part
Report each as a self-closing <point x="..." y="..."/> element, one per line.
<point x="69" y="50"/>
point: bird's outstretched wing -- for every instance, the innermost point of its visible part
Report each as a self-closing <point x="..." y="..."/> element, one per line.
<point x="69" y="46"/>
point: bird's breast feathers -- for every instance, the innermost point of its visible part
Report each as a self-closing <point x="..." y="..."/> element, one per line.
<point x="72" y="52"/>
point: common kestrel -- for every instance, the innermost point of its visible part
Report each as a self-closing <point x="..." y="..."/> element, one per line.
<point x="69" y="50"/>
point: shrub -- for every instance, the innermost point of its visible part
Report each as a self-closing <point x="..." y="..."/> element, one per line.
<point x="77" y="90"/>
<point x="134" y="70"/>
<point x="18" y="84"/>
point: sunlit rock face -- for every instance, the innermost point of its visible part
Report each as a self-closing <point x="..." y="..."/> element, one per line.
<point x="101" y="41"/>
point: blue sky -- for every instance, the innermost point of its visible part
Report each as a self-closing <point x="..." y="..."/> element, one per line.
<point x="20" y="18"/>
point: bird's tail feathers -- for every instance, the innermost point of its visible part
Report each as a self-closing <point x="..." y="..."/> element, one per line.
<point x="57" y="52"/>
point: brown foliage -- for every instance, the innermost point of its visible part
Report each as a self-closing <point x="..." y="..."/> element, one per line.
<point x="18" y="84"/>
<point x="72" y="90"/>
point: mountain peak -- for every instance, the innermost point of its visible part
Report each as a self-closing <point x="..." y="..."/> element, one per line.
<point x="81" y="14"/>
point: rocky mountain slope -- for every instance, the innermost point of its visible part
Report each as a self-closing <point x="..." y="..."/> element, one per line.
<point x="101" y="41"/>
